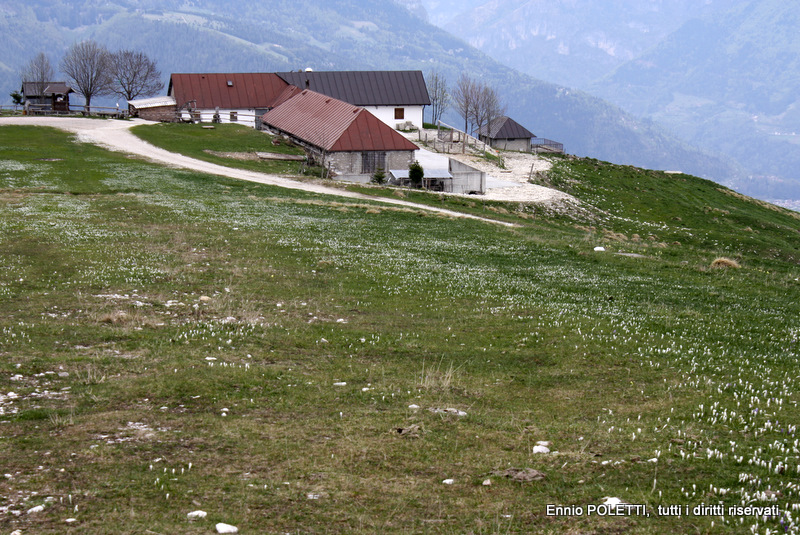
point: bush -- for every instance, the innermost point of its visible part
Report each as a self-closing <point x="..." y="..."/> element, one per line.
<point x="725" y="263"/>
<point x="379" y="176"/>
<point x="416" y="174"/>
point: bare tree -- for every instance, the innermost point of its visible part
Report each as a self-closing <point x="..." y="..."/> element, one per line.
<point x="87" y="65"/>
<point x="464" y="98"/>
<point x="487" y="108"/>
<point x="38" y="72"/>
<point x="134" y="74"/>
<point x="439" y="95"/>
<point x="477" y="103"/>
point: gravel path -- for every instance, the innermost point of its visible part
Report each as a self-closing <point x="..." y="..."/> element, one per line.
<point x="116" y="135"/>
<point x="509" y="184"/>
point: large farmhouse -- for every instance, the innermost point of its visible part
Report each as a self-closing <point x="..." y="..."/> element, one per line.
<point x="224" y="97"/>
<point x="347" y="139"/>
<point x="395" y="97"/>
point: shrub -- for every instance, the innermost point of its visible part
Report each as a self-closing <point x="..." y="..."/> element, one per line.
<point x="416" y="174"/>
<point x="379" y="176"/>
<point x="725" y="263"/>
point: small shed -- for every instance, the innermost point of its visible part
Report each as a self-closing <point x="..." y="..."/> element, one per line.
<point x="162" y="109"/>
<point x="434" y="179"/>
<point x="457" y="178"/>
<point x="507" y="134"/>
<point x="47" y="95"/>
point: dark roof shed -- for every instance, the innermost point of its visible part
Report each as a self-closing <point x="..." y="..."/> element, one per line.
<point x="506" y="128"/>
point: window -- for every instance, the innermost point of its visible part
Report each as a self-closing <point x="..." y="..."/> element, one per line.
<point x="371" y="161"/>
<point x="234" y="116"/>
<point x="399" y="114"/>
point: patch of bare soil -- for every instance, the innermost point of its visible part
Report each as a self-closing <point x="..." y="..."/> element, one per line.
<point x="256" y="155"/>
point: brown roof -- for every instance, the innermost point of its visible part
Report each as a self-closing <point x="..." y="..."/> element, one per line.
<point x="506" y="128"/>
<point x="365" y="88"/>
<point x="334" y="125"/>
<point x="226" y="90"/>
<point x="285" y="95"/>
<point x="29" y="89"/>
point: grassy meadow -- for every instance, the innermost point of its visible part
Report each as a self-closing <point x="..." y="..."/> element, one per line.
<point x="173" y="342"/>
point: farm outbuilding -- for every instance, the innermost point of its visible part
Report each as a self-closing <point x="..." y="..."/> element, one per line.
<point x="507" y="134"/>
<point x="47" y="96"/>
<point x="350" y="141"/>
<point x="162" y="109"/>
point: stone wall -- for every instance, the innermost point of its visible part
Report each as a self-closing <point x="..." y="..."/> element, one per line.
<point x="164" y="114"/>
<point x="348" y="165"/>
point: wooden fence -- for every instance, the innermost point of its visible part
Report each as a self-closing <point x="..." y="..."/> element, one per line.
<point x="74" y="110"/>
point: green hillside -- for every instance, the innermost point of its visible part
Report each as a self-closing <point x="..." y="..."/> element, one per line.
<point x="214" y="36"/>
<point x="287" y="362"/>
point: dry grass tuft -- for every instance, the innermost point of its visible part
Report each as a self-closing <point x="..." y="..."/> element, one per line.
<point x="118" y="317"/>
<point x="614" y="236"/>
<point x="725" y="263"/>
<point x="436" y="378"/>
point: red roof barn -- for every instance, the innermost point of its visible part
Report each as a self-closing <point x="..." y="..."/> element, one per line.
<point x="349" y="140"/>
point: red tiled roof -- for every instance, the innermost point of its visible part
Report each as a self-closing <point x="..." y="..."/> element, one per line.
<point x="285" y="95"/>
<point x="334" y="125"/>
<point x="226" y="90"/>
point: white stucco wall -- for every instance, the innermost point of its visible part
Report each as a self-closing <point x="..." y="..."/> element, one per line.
<point x="247" y="117"/>
<point x="386" y="114"/>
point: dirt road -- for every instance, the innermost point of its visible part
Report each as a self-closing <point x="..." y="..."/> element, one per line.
<point x="116" y="135"/>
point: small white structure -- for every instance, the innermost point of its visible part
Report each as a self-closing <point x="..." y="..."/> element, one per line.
<point x="458" y="178"/>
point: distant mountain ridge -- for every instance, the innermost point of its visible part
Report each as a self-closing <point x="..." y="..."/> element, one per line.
<point x="250" y="36"/>
<point x="724" y="76"/>
<point x="736" y="91"/>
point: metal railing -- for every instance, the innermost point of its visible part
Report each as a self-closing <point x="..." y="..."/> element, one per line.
<point x="540" y="144"/>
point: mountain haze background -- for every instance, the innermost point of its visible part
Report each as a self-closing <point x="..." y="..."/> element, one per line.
<point x="722" y="75"/>
<point x="620" y="51"/>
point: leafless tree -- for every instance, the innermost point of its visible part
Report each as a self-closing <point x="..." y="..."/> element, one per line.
<point x="487" y="108"/>
<point x="88" y="66"/>
<point x="39" y="72"/>
<point x="477" y="102"/>
<point x="439" y="95"/>
<point x="464" y="98"/>
<point x="134" y="75"/>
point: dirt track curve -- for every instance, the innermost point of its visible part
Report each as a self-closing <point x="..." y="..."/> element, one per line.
<point x="116" y="135"/>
